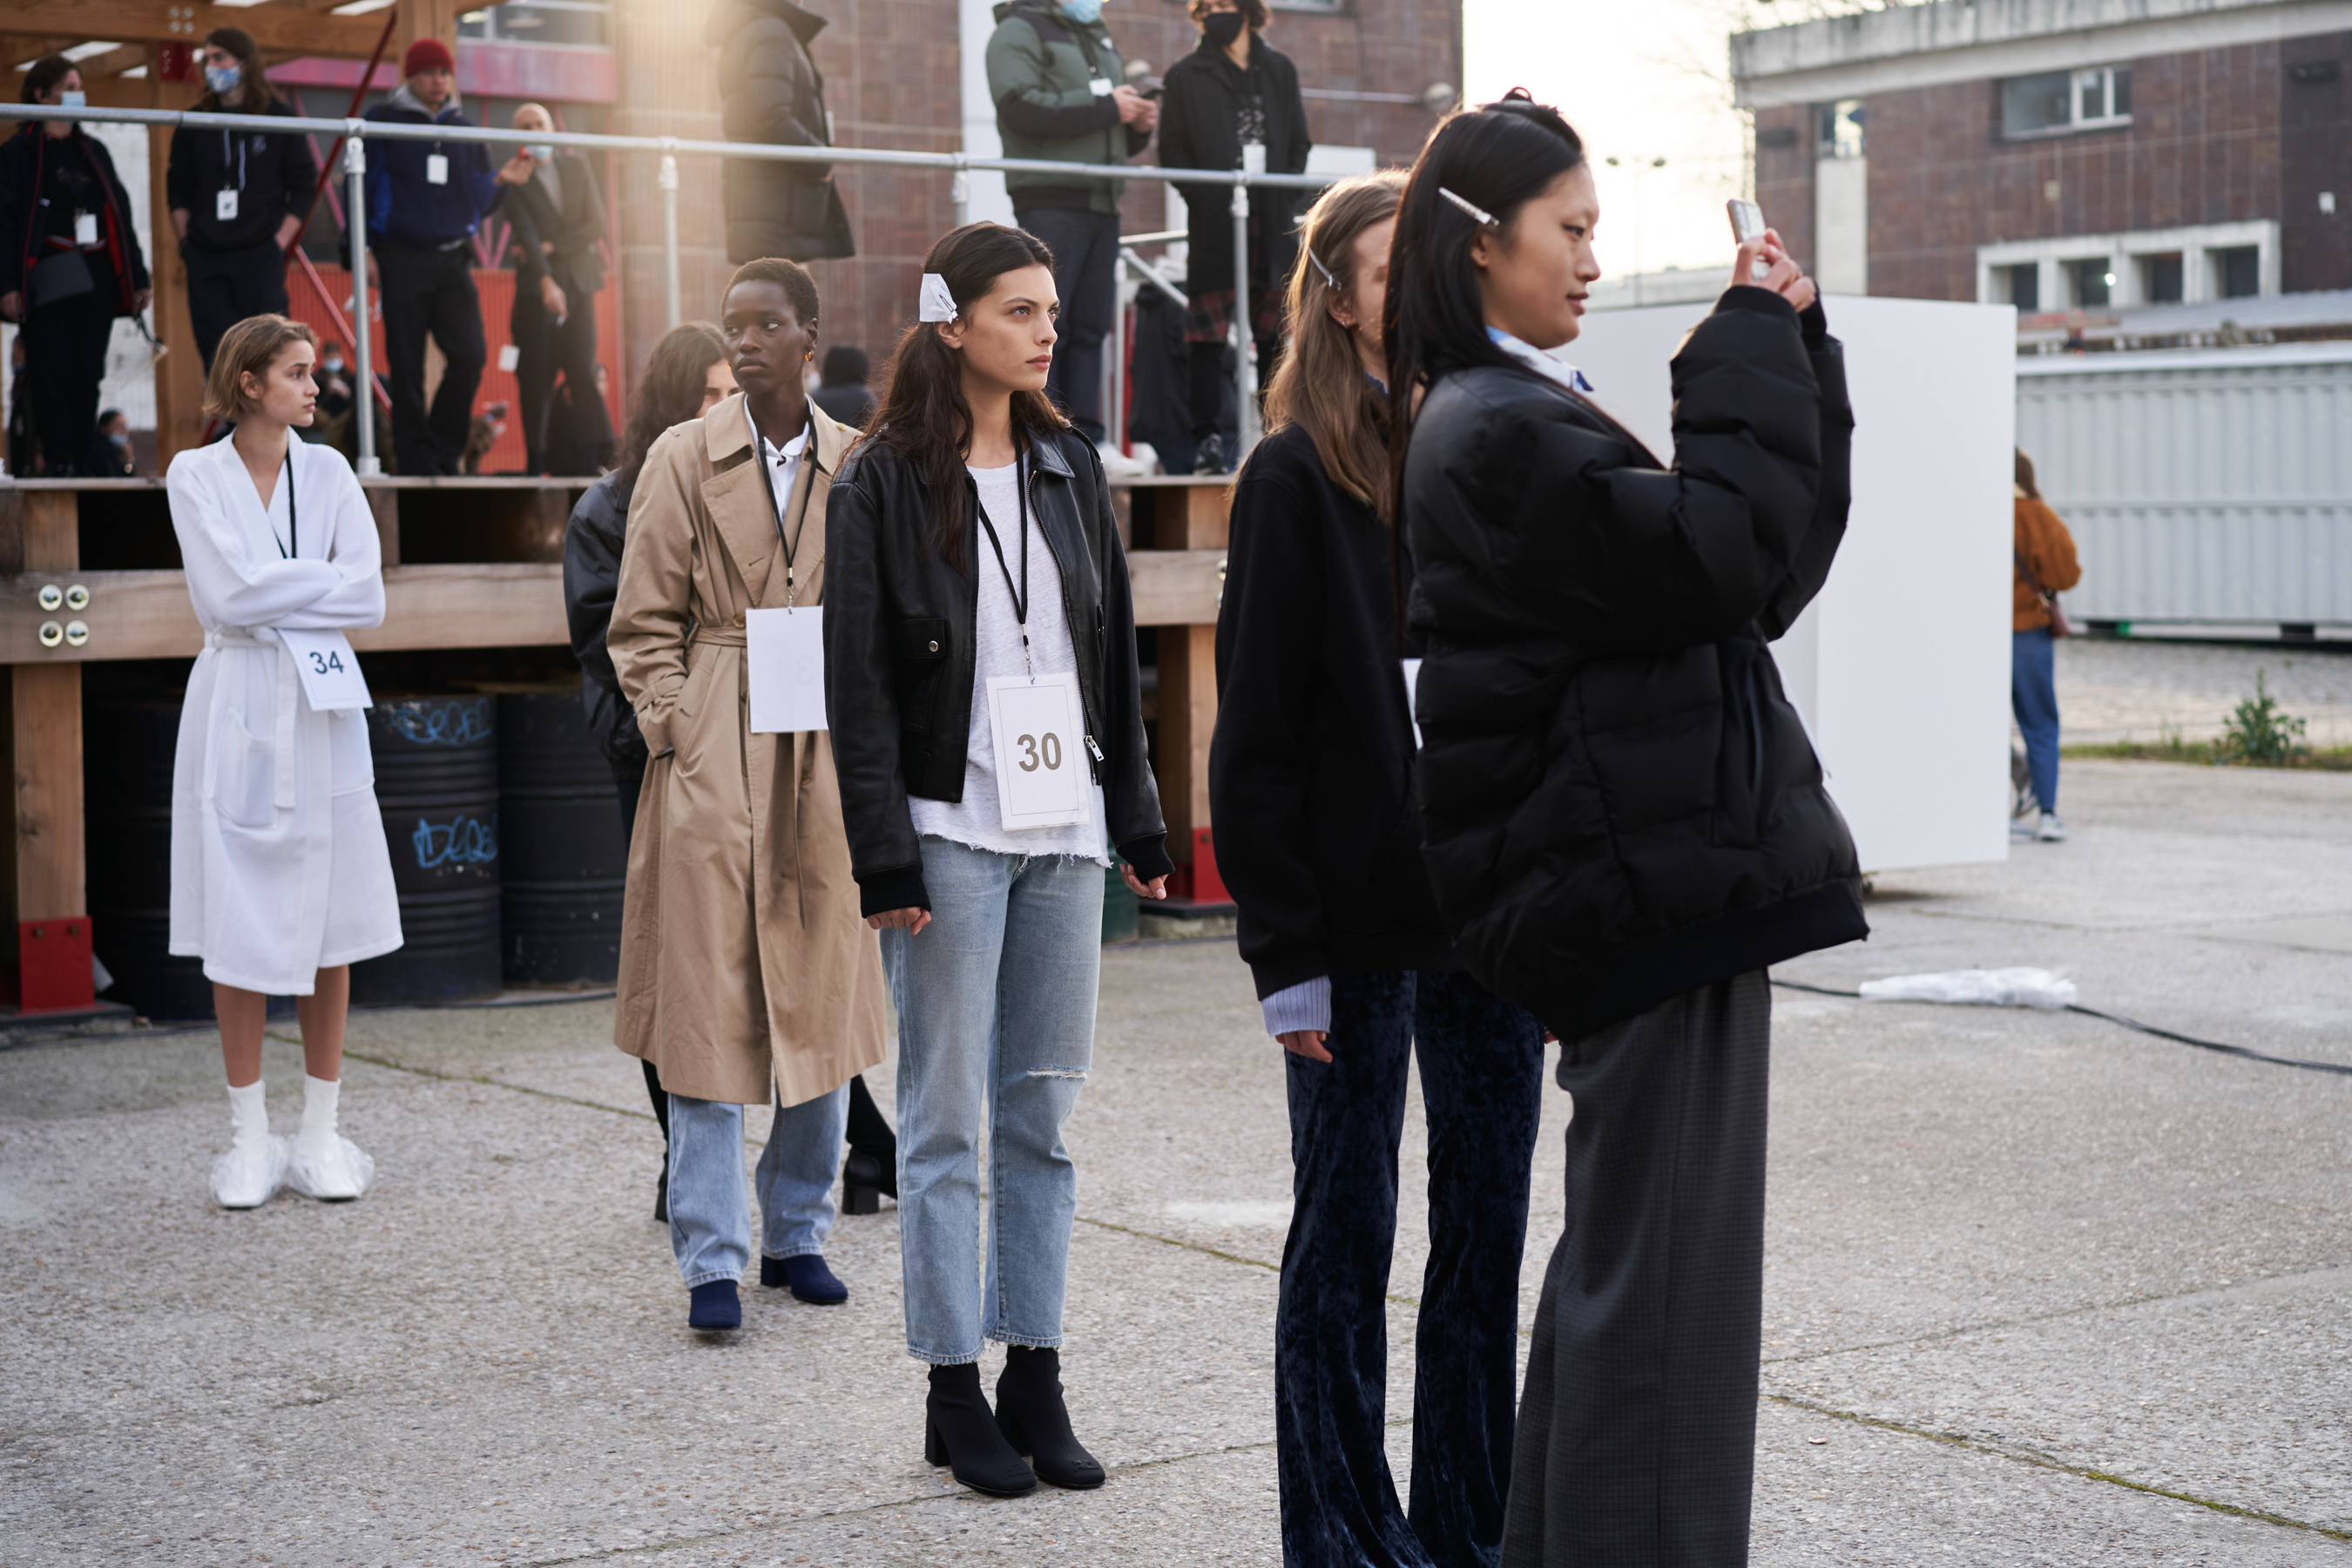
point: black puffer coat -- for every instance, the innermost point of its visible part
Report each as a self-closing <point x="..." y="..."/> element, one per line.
<point x="770" y="90"/>
<point x="1620" y="803"/>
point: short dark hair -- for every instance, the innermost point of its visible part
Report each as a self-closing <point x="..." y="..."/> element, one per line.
<point x="789" y="276"/>
<point x="1255" y="16"/>
<point x="109" y="416"/>
<point x="845" y="366"/>
<point x="43" y="74"/>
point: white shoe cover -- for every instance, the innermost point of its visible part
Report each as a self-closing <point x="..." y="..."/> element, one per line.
<point x="248" y="1175"/>
<point x="335" y="1175"/>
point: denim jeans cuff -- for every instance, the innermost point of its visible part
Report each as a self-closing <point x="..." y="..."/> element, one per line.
<point x="1026" y="1341"/>
<point x="793" y="1252"/>
<point x="942" y="1360"/>
<point x="714" y="1274"/>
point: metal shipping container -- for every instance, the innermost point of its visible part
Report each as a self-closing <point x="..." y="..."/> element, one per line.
<point x="2207" y="485"/>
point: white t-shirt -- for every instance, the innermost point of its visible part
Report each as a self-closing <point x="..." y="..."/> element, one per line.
<point x="977" y="819"/>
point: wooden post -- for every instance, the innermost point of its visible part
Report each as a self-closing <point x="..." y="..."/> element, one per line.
<point x="45" y="743"/>
<point x="179" y="374"/>
<point x="428" y="19"/>
<point x="1187" y="518"/>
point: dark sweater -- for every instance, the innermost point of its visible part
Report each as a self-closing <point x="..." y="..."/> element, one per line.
<point x="272" y="176"/>
<point x="1310" y="772"/>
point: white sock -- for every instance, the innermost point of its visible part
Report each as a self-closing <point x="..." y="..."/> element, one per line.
<point x="248" y="1113"/>
<point x="318" y="1096"/>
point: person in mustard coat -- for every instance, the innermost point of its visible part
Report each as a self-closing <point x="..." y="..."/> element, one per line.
<point x="2046" y="568"/>
<point x="746" y="965"/>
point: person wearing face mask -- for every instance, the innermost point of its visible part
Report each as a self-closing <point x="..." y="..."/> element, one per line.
<point x="70" y="264"/>
<point x="1622" y="819"/>
<point x="1061" y="97"/>
<point x="237" y="198"/>
<point x="1233" y="103"/>
<point x="557" y="253"/>
<point x="114" y="432"/>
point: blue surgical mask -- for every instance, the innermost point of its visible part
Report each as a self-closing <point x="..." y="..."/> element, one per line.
<point x="73" y="100"/>
<point x="223" y="79"/>
<point x="1084" y="13"/>
<point x="542" y="151"/>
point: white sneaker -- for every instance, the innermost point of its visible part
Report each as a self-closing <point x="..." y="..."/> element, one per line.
<point x="332" y="1173"/>
<point x="2052" y="830"/>
<point x="248" y="1175"/>
<point x="2020" y="827"/>
<point x="1117" y="464"/>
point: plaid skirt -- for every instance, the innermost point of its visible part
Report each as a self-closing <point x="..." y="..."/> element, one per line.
<point x="1209" y="318"/>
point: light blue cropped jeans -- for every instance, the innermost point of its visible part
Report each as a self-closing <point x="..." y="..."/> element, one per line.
<point x="709" y="1219"/>
<point x="996" y="1029"/>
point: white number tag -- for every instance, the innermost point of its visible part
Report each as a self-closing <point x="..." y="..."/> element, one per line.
<point x="436" y="168"/>
<point x="1413" y="698"/>
<point x="1254" y="158"/>
<point x="225" y="205"/>
<point x="786" y="667"/>
<point x="1039" y="731"/>
<point x="330" y="669"/>
<point x="1099" y="86"/>
<point x="85" y="228"/>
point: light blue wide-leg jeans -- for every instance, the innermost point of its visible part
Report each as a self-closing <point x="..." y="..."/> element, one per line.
<point x="710" y="1218"/>
<point x="996" y="1028"/>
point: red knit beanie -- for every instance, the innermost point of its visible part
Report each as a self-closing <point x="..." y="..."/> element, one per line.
<point x="427" y="55"/>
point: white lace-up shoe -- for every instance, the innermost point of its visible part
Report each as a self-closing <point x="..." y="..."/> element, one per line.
<point x="249" y="1174"/>
<point x="2052" y="830"/>
<point x="332" y="1172"/>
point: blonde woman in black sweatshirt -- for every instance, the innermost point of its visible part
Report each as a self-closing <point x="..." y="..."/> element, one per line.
<point x="1319" y="836"/>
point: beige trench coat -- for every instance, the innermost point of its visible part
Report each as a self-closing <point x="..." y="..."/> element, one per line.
<point x="742" y="952"/>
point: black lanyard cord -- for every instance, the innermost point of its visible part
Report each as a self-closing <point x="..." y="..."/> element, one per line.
<point x="1020" y="597"/>
<point x="293" y="520"/>
<point x="791" y="542"/>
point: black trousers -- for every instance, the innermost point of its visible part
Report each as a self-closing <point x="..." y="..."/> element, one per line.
<point x="65" y="360"/>
<point x="225" y="287"/>
<point x="1637" y="1433"/>
<point x="430" y="293"/>
<point x="1213" y="390"/>
<point x="1086" y="274"/>
<point x="1482" y="1088"/>
<point x="541" y="349"/>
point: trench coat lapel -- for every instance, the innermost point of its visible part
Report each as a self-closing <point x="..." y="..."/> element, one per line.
<point x="744" y="514"/>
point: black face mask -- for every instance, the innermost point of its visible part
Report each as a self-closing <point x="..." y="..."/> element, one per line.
<point x="1222" y="28"/>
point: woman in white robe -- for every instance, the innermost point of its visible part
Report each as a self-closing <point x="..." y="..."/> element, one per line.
<point x="280" y="877"/>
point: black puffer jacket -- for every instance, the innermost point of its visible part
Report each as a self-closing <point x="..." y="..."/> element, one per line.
<point x="591" y="569"/>
<point x="770" y="90"/>
<point x="899" y="656"/>
<point x="1620" y="803"/>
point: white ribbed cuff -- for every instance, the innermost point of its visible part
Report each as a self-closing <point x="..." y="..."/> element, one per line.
<point x="1306" y="1005"/>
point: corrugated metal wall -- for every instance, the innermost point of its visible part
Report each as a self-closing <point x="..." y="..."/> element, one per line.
<point x="2209" y="486"/>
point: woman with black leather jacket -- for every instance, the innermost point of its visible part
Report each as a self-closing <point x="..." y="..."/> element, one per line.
<point x="980" y="683"/>
<point x="1624" y="822"/>
<point x="70" y="264"/>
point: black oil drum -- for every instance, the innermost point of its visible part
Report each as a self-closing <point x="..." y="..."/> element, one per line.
<point x="563" y="864"/>
<point x="437" y="780"/>
<point x="127" y="747"/>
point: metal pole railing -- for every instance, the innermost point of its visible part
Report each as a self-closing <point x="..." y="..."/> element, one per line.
<point x="671" y="297"/>
<point x="960" y="192"/>
<point x="362" y="354"/>
<point x="1243" y="332"/>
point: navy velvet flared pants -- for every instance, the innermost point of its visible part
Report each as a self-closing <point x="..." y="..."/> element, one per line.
<point x="1481" y="1088"/>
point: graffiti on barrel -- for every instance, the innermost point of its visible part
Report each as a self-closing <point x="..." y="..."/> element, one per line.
<point x="460" y="721"/>
<point x="462" y="841"/>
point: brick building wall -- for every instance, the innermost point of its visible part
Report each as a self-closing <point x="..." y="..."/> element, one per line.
<point x="892" y="80"/>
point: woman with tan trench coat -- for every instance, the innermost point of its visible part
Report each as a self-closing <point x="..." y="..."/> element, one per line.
<point x="744" y="959"/>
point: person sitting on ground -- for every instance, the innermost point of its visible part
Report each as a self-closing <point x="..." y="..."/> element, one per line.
<point x="841" y="391"/>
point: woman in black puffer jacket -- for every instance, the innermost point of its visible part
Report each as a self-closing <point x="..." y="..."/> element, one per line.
<point x="1624" y="823"/>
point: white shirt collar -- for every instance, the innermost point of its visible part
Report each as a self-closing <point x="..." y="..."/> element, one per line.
<point x="1546" y="365"/>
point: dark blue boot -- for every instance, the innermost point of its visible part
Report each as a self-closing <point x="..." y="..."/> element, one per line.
<point x="714" y="1306"/>
<point x="806" y="1276"/>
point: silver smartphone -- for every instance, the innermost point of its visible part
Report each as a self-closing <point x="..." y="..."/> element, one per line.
<point x="1746" y="223"/>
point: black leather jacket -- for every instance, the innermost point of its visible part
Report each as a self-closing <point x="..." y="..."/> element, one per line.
<point x="899" y="656"/>
<point x="592" y="568"/>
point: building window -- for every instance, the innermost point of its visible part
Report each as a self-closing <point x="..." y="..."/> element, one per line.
<point x="2237" y="273"/>
<point x="2094" y="283"/>
<point x="2055" y="102"/>
<point x="579" y="22"/>
<point x="2160" y="280"/>
<point x="2021" y="287"/>
<point x="1840" y="129"/>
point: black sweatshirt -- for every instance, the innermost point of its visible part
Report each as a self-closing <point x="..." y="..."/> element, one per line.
<point x="1310" y="772"/>
<point x="272" y="176"/>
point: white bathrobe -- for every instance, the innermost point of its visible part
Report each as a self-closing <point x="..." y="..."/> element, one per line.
<point x="279" y="862"/>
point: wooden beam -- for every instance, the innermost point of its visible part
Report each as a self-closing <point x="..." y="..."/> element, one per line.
<point x="113" y="62"/>
<point x="24" y="51"/>
<point x="185" y="22"/>
<point x="1176" y="587"/>
<point x="180" y="374"/>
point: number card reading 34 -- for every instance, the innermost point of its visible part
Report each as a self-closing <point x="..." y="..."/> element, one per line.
<point x="1039" y="731"/>
<point x="330" y="669"/>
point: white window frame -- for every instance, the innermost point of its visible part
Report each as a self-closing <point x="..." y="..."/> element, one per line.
<point x="2076" y="124"/>
<point x="2124" y="253"/>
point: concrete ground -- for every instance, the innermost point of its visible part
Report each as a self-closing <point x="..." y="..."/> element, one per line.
<point x="2111" y="690"/>
<point x="2041" y="1289"/>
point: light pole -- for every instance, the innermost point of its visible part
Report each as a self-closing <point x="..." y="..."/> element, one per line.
<point x="1636" y="164"/>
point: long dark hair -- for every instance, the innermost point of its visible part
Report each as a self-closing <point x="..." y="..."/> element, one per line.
<point x="1497" y="157"/>
<point x="254" y="92"/>
<point x="43" y="74"/>
<point x="920" y="413"/>
<point x="670" y="392"/>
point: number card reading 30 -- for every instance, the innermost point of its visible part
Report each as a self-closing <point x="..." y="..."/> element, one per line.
<point x="330" y="669"/>
<point x="1038" y="729"/>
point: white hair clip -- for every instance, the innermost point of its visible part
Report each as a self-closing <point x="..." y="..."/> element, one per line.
<point x="938" y="304"/>
<point x="1329" y="281"/>
<point x="1479" y="214"/>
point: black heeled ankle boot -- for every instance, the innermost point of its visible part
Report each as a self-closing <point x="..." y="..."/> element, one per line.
<point x="1030" y="1411"/>
<point x="862" y="1184"/>
<point x="959" y="1432"/>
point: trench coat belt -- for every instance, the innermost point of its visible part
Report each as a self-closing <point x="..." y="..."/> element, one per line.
<point x="722" y="636"/>
<point x="281" y="760"/>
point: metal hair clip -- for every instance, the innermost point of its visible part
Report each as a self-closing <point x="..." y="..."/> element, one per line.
<point x="1479" y="214"/>
<point x="1329" y="281"/>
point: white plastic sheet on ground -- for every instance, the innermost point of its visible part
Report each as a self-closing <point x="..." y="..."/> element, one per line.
<point x="2044" y="988"/>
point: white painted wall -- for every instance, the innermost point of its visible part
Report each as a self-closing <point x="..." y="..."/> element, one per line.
<point x="1841" y="259"/>
<point x="976" y="20"/>
<point x="1901" y="667"/>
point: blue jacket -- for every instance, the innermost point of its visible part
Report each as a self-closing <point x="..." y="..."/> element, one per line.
<point x="402" y="209"/>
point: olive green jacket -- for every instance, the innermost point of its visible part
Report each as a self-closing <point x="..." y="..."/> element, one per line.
<point x="1051" y="81"/>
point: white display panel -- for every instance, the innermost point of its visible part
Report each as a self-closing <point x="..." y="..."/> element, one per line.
<point x="1901" y="667"/>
